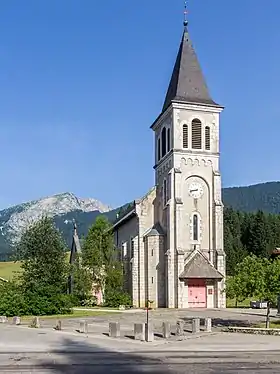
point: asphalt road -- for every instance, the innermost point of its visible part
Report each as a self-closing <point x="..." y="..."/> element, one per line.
<point x="152" y="362"/>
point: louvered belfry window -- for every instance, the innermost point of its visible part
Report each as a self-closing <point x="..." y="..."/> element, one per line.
<point x="163" y="142"/>
<point x="185" y="136"/>
<point x="168" y="140"/>
<point x="207" y="138"/>
<point x="196" y="134"/>
<point x="158" y="149"/>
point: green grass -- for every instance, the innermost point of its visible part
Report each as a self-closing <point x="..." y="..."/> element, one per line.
<point x="231" y="303"/>
<point x="8" y="270"/>
<point x="75" y="314"/>
<point x="272" y="324"/>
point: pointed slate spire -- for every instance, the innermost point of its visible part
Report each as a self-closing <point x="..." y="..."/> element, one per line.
<point x="187" y="84"/>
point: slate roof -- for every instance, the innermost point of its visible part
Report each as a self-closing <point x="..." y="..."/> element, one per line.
<point x="156" y="230"/>
<point x="200" y="267"/>
<point x="187" y="83"/>
<point x="76" y="246"/>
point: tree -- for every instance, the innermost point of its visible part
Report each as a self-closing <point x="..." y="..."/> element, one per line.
<point x="45" y="270"/>
<point x="256" y="277"/>
<point x="98" y="250"/>
<point x="100" y="257"/>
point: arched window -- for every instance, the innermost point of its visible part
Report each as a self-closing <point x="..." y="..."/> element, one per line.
<point x="163" y="142"/>
<point x="196" y="134"/>
<point x="195" y="227"/>
<point x="207" y="138"/>
<point x="164" y="192"/>
<point x="168" y="140"/>
<point x="185" y="136"/>
<point x="158" y="149"/>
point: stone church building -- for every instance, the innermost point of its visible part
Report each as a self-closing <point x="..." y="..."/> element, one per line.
<point x="171" y="240"/>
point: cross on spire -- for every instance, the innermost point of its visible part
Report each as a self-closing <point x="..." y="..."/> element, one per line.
<point x="185" y="14"/>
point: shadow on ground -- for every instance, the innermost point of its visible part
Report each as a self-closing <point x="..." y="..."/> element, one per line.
<point x="82" y="358"/>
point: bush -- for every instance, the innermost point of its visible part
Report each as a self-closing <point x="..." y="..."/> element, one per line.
<point x="12" y="300"/>
<point x="113" y="299"/>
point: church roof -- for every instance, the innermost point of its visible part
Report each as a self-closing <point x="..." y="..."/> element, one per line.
<point x="76" y="245"/>
<point x="187" y="84"/>
<point x="156" y="230"/>
<point x="200" y="267"/>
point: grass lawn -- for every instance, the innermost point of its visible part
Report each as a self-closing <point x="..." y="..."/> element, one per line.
<point x="75" y="314"/>
<point x="9" y="269"/>
<point x="231" y="303"/>
<point x="272" y="324"/>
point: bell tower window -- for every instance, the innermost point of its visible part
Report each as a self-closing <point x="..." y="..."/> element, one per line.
<point x="196" y="134"/>
<point x="163" y="142"/>
<point x="158" y="149"/>
<point x="164" y="192"/>
<point x="207" y="138"/>
<point x="168" y="140"/>
<point x="195" y="227"/>
<point x="185" y="136"/>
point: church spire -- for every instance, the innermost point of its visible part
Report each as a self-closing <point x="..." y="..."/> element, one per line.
<point x="187" y="84"/>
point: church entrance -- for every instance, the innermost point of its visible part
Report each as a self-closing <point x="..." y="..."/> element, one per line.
<point x="197" y="293"/>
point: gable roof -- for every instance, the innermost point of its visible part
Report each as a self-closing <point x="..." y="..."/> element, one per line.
<point x="187" y="84"/>
<point x="199" y="267"/>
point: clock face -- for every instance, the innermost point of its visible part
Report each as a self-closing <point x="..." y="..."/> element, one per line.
<point x="196" y="190"/>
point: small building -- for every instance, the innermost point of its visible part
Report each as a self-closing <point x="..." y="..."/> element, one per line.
<point x="171" y="240"/>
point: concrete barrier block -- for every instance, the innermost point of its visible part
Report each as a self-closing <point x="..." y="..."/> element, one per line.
<point x="149" y="332"/>
<point x="35" y="323"/>
<point x="208" y="324"/>
<point x="16" y="320"/>
<point x="114" y="329"/>
<point x="58" y="326"/>
<point x="195" y="325"/>
<point x="166" y="327"/>
<point x="180" y="328"/>
<point x="83" y="327"/>
<point x="139" y="331"/>
<point x="3" y="319"/>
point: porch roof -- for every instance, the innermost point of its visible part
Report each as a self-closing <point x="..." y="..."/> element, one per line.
<point x="200" y="267"/>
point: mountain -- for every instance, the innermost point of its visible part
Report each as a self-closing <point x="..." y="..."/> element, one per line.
<point x="262" y="196"/>
<point x="66" y="208"/>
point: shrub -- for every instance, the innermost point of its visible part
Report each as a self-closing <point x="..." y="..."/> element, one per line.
<point x="12" y="300"/>
<point x="114" y="299"/>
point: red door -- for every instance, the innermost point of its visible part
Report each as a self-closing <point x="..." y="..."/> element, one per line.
<point x="197" y="293"/>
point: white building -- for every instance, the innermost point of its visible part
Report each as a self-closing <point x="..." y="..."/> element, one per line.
<point x="172" y="238"/>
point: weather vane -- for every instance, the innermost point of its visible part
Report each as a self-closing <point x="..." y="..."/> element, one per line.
<point x="185" y="14"/>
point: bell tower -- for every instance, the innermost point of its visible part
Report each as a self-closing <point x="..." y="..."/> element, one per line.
<point x="188" y="180"/>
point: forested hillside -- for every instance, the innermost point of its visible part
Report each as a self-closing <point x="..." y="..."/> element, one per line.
<point x="263" y="196"/>
<point x="245" y="233"/>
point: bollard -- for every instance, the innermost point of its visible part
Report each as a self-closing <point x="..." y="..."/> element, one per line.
<point x="35" y="323"/>
<point x="195" y="325"/>
<point x="83" y="327"/>
<point x="149" y="332"/>
<point x="114" y="329"/>
<point x="58" y="326"/>
<point x="16" y="321"/>
<point x="180" y="328"/>
<point x="166" y="327"/>
<point x="208" y="324"/>
<point x="3" y="319"/>
<point x="139" y="331"/>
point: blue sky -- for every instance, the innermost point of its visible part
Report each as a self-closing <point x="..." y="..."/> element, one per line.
<point x="82" y="80"/>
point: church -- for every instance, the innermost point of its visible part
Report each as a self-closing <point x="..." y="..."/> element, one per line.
<point x="171" y="240"/>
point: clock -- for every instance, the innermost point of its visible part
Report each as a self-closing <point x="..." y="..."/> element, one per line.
<point x="196" y="190"/>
